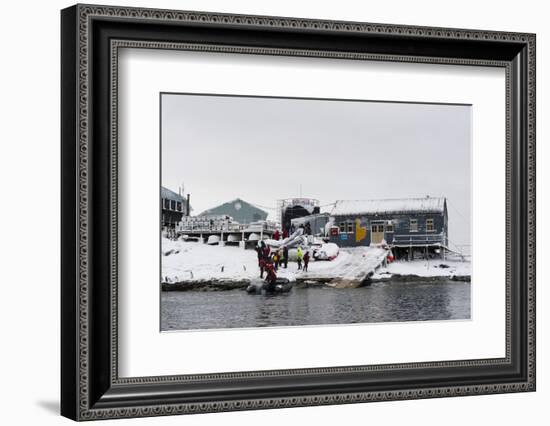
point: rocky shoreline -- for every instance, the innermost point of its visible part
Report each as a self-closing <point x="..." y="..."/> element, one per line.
<point x="206" y="285"/>
<point x="400" y="278"/>
<point x="226" y="285"/>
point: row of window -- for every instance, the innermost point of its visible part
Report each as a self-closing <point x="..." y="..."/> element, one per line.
<point x="172" y="205"/>
<point x="413" y="225"/>
<point x="347" y="227"/>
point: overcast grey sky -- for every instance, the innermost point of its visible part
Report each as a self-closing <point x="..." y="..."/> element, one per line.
<point x="265" y="149"/>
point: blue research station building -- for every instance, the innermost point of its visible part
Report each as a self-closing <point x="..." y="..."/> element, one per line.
<point x="403" y="223"/>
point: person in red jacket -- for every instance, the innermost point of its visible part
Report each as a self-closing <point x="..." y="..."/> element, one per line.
<point x="271" y="277"/>
<point x="266" y="251"/>
<point x="276" y="235"/>
<point x="261" y="264"/>
<point x="263" y="255"/>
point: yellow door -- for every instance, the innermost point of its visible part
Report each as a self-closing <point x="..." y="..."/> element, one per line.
<point x="377" y="233"/>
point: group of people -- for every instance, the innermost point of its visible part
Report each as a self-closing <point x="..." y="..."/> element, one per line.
<point x="270" y="261"/>
<point x="277" y="235"/>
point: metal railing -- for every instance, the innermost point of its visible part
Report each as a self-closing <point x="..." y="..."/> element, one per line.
<point x="195" y="227"/>
<point x="418" y="240"/>
<point x="225" y="227"/>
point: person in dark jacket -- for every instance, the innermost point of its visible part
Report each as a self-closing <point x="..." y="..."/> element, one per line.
<point x="285" y="257"/>
<point x="261" y="264"/>
<point x="306" y="260"/>
<point x="307" y="229"/>
<point x="259" y="252"/>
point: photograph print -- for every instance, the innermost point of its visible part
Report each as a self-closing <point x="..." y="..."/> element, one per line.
<point x="279" y="211"/>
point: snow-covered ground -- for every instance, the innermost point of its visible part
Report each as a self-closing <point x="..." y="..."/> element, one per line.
<point x="351" y="264"/>
<point x="425" y="268"/>
<point x="192" y="261"/>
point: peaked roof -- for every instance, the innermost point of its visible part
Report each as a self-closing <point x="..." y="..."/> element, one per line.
<point x="238" y="209"/>
<point x="236" y="204"/>
<point x="396" y="205"/>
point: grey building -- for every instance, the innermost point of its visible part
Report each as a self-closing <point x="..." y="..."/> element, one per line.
<point x="293" y="208"/>
<point x="317" y="222"/>
<point x="239" y="210"/>
<point x="403" y="223"/>
<point x="173" y="206"/>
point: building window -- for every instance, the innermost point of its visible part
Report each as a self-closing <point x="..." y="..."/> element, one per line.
<point x="342" y="227"/>
<point x="350" y="227"/>
<point x="389" y="227"/>
<point x="430" y="225"/>
<point x="377" y="228"/>
<point x="413" y="225"/>
<point x="178" y="206"/>
<point x="166" y="204"/>
<point x="172" y="205"/>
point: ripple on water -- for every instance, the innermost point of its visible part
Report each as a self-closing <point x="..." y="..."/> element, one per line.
<point x="380" y="302"/>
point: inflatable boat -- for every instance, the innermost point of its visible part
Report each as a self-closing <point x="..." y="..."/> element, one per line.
<point x="260" y="286"/>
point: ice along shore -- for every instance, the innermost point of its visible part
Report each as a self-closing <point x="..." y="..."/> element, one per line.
<point x="191" y="266"/>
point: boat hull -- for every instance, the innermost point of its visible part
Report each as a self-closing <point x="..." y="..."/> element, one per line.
<point x="281" y="285"/>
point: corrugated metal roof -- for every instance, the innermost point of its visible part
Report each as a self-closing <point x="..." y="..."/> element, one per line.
<point x="170" y="195"/>
<point x="398" y="205"/>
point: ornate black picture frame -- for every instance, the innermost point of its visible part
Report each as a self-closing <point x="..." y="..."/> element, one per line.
<point x="91" y="36"/>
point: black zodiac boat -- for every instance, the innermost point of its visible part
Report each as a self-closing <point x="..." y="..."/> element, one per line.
<point x="259" y="286"/>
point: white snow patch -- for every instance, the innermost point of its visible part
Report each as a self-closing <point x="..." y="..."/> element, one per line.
<point x="397" y="205"/>
<point x="425" y="268"/>
<point x="327" y="251"/>
<point x="196" y="262"/>
<point x="193" y="261"/>
<point x="351" y="264"/>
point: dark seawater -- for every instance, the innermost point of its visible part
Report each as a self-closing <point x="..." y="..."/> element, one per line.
<point x="380" y="302"/>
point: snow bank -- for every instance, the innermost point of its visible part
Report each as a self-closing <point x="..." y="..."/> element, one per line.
<point x="188" y="262"/>
<point x="425" y="268"/>
<point x="193" y="261"/>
